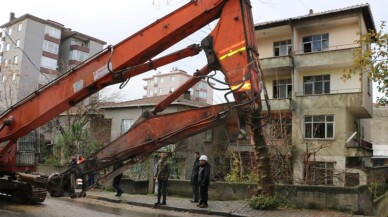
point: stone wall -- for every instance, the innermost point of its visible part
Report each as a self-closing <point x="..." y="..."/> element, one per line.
<point x="356" y="200"/>
<point x="348" y="199"/>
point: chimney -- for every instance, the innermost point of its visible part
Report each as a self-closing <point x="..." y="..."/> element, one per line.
<point x="311" y="11"/>
<point x="11" y="16"/>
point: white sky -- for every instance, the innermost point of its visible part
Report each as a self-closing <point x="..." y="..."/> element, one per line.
<point x="115" y="20"/>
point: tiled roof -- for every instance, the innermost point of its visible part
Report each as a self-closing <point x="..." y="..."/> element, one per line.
<point x="151" y="101"/>
<point x="364" y="7"/>
<point x="32" y="17"/>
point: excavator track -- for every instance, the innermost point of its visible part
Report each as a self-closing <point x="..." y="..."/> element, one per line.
<point x="24" y="192"/>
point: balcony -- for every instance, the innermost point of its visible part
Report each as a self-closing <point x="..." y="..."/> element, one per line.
<point x="336" y="57"/>
<point x="80" y="48"/>
<point x="359" y="143"/>
<point x="276" y="62"/>
<point x="277" y="104"/>
<point x="359" y="147"/>
<point x="351" y="99"/>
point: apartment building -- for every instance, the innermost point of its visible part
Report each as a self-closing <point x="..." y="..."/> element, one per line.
<point x="36" y="51"/>
<point x="303" y="59"/>
<point x="162" y="84"/>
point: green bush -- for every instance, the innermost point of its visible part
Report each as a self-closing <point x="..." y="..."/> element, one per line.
<point x="264" y="202"/>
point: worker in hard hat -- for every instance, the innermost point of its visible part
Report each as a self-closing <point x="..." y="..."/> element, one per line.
<point x="203" y="180"/>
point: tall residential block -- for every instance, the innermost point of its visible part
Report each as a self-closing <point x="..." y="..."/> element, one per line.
<point x="34" y="51"/>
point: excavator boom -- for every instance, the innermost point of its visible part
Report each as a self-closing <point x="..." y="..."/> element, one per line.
<point x="229" y="48"/>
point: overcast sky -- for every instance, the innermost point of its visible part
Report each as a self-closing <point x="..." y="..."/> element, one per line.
<point x="115" y="20"/>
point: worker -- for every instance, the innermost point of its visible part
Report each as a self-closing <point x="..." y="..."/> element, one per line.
<point x="194" y="178"/>
<point x="80" y="159"/>
<point x="73" y="162"/>
<point x="163" y="171"/>
<point x="117" y="179"/>
<point x="203" y="180"/>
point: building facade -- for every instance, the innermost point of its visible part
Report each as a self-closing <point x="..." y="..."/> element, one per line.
<point x="304" y="59"/>
<point x="162" y="84"/>
<point x="34" y="51"/>
<point x="374" y="131"/>
<point x="213" y="142"/>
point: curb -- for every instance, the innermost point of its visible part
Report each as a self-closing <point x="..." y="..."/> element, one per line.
<point x="169" y="208"/>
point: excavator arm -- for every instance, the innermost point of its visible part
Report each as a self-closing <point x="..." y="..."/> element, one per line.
<point x="230" y="48"/>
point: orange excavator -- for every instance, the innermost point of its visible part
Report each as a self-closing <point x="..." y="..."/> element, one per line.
<point x="230" y="48"/>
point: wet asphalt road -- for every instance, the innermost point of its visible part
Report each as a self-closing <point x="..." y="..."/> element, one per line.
<point x="63" y="207"/>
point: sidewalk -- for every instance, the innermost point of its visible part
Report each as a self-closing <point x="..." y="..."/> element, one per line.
<point x="220" y="208"/>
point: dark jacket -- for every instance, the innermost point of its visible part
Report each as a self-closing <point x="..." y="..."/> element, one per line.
<point x="117" y="178"/>
<point x="72" y="163"/>
<point x="204" y="175"/>
<point x="163" y="170"/>
<point x="194" y="173"/>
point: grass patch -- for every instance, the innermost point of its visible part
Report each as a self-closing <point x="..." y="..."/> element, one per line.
<point x="263" y="202"/>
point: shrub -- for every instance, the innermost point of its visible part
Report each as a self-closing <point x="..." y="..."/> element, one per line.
<point x="264" y="202"/>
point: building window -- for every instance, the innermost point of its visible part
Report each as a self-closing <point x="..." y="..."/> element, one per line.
<point x="18" y="43"/>
<point x="50" y="47"/>
<point x="160" y="90"/>
<point x="7" y="47"/>
<point x="171" y="89"/>
<point x="172" y="78"/>
<point x="319" y="126"/>
<point x="282" y="88"/>
<point x="151" y="92"/>
<point x="316" y="43"/>
<point x="15" y="60"/>
<point x="53" y="32"/>
<point x="78" y="55"/>
<point x="209" y="136"/>
<point x="282" y="48"/>
<point x="320" y="173"/>
<point x="161" y="80"/>
<point x="20" y="26"/>
<point x="202" y="95"/>
<point x="10" y="31"/>
<point x="125" y="125"/>
<point x="318" y="84"/>
<point x="49" y="63"/>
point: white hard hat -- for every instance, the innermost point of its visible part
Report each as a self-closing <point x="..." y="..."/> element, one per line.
<point x="203" y="157"/>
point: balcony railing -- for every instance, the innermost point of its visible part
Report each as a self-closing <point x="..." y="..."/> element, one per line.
<point x="337" y="91"/>
<point x="358" y="143"/>
<point x="331" y="48"/>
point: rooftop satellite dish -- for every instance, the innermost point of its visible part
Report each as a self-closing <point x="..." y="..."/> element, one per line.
<point x="351" y="137"/>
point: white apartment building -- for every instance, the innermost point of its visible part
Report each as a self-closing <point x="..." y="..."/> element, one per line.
<point x="163" y="84"/>
<point x="303" y="59"/>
